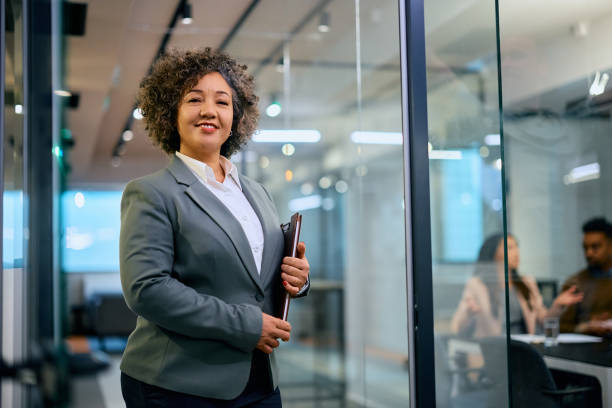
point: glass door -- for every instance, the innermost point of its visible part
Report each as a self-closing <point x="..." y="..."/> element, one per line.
<point x="14" y="306"/>
<point x="330" y="146"/>
<point x="456" y="215"/>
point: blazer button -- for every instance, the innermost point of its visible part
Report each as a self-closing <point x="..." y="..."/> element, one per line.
<point x="258" y="297"/>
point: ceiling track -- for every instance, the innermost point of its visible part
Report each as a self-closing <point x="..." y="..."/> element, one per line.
<point x="299" y="27"/>
<point x="119" y="146"/>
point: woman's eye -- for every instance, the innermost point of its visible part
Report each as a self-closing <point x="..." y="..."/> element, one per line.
<point x="192" y="100"/>
<point x="223" y="103"/>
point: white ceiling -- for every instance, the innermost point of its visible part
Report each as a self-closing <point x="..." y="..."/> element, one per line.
<point x="106" y="65"/>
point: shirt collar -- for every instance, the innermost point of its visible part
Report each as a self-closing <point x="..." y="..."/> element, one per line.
<point x="206" y="173"/>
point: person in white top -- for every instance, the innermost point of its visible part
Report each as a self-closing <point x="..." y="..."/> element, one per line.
<point x="201" y="247"/>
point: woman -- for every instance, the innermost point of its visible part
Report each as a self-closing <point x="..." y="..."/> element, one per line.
<point x="481" y="311"/>
<point x="201" y="247"/>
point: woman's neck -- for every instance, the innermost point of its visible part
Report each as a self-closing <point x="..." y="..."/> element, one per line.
<point x="212" y="160"/>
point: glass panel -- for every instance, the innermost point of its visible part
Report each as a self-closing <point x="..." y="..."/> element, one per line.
<point x="12" y="251"/>
<point x="331" y="77"/>
<point x="12" y="307"/>
<point x="556" y="102"/>
<point x="466" y="205"/>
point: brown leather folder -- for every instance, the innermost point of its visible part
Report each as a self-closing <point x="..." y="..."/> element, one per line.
<point x="291" y="230"/>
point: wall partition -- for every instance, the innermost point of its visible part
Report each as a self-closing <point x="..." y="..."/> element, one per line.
<point x="380" y="123"/>
<point x="30" y="283"/>
<point x="330" y="146"/>
<point x="466" y="191"/>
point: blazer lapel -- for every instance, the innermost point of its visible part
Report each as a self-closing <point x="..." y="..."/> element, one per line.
<point x="259" y="208"/>
<point x="219" y="213"/>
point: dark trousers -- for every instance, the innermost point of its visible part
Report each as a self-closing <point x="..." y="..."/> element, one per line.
<point x="257" y="394"/>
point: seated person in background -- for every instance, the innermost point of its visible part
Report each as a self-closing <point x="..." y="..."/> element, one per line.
<point x="481" y="311"/>
<point x="594" y="314"/>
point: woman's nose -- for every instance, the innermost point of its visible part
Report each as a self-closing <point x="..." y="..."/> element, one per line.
<point x="207" y="110"/>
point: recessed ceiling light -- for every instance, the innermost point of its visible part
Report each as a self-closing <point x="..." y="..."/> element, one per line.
<point x="323" y="26"/>
<point x="287" y="136"/>
<point x="364" y="137"/>
<point x="137" y="114"/>
<point x="274" y="109"/>
<point x="127" y="135"/>
<point x="186" y="12"/>
<point x="62" y="92"/>
<point x="288" y="149"/>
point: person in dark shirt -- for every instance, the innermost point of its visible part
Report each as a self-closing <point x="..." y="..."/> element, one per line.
<point x="593" y="315"/>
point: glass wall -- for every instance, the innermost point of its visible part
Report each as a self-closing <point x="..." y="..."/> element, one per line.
<point x="557" y="132"/>
<point x="332" y="78"/>
<point x="558" y="150"/>
<point x="13" y="209"/>
<point x="329" y="146"/>
<point x="467" y="204"/>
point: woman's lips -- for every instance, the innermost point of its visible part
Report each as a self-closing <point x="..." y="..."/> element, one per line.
<point x="207" y="128"/>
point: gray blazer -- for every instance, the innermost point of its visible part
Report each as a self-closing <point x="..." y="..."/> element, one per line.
<point x="188" y="272"/>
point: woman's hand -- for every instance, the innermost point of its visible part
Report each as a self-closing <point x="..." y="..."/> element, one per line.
<point x="471" y="304"/>
<point x="569" y="297"/>
<point x="272" y="329"/>
<point x="294" y="271"/>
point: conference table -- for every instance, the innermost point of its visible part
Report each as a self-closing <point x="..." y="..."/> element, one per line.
<point x="575" y="353"/>
<point x="593" y="359"/>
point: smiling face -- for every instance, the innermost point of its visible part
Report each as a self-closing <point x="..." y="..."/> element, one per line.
<point x="204" y="119"/>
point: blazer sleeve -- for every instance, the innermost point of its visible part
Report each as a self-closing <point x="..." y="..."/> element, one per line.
<point x="146" y="260"/>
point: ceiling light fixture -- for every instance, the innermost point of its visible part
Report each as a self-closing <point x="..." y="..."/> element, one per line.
<point x="586" y="172"/>
<point x="323" y="22"/>
<point x="186" y="12"/>
<point x="305" y="203"/>
<point x="445" y="155"/>
<point x="137" y="114"/>
<point x="127" y="135"/>
<point x="386" y="138"/>
<point x="492" y="139"/>
<point x="288" y="149"/>
<point x="274" y="109"/>
<point x="287" y="136"/>
<point x="599" y="84"/>
<point x="62" y="92"/>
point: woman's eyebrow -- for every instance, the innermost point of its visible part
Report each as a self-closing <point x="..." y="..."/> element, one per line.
<point x="200" y="91"/>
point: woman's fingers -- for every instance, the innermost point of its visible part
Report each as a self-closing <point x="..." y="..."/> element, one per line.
<point x="298" y="263"/>
<point x="293" y="280"/>
<point x="294" y="271"/>
<point x="272" y="343"/>
<point x="292" y="290"/>
<point x="301" y="249"/>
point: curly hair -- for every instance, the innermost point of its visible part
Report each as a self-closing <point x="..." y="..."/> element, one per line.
<point x="177" y="71"/>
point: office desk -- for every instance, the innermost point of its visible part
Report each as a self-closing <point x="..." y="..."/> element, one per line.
<point x="594" y="359"/>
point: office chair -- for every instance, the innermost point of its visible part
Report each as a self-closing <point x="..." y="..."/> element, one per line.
<point x="454" y="387"/>
<point x="532" y="383"/>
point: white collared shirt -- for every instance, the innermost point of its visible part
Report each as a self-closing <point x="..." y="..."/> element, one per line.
<point x="230" y="194"/>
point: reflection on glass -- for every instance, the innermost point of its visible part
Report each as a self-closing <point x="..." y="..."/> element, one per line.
<point x="13" y="209"/>
<point x="466" y="205"/>
<point x="330" y="147"/>
<point x="13" y="307"/>
<point x="558" y="150"/>
<point x="90" y="241"/>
